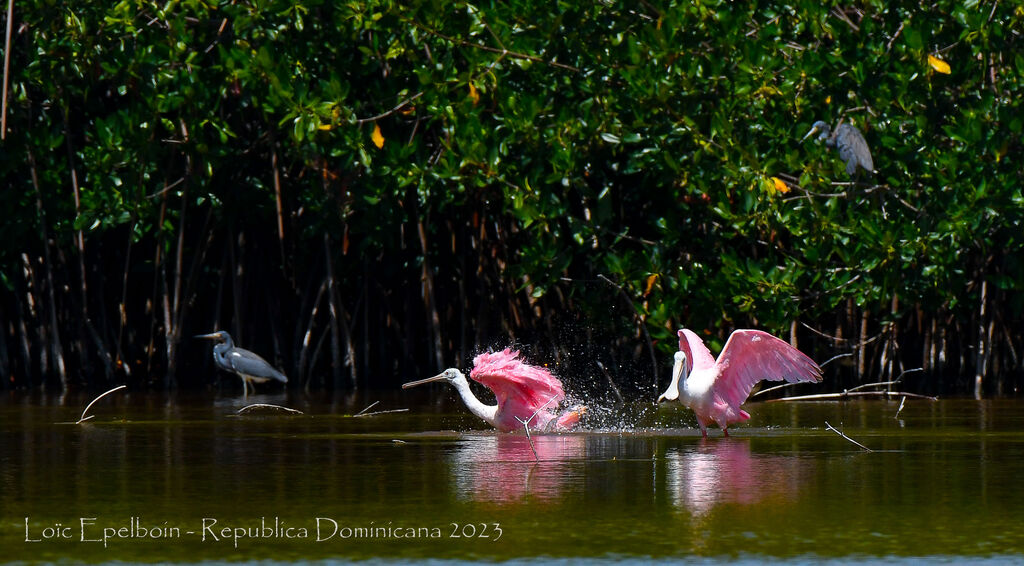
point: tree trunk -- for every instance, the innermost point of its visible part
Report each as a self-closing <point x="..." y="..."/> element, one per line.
<point x="981" y="355"/>
<point x="54" y="343"/>
<point x="427" y="282"/>
<point x="332" y="301"/>
<point x="861" y="346"/>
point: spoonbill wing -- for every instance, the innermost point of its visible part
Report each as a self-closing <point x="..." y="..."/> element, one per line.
<point x="696" y="352"/>
<point x="752" y="355"/>
<point x="516" y="384"/>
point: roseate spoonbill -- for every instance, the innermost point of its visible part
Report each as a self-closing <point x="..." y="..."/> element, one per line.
<point x="481" y="472"/>
<point x="241" y="362"/>
<point x="850" y="143"/>
<point x="526" y="394"/>
<point x="725" y="472"/>
<point x="714" y="390"/>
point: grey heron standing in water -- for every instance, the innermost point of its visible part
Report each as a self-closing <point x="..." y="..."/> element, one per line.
<point x="241" y="362"/>
<point x="848" y="140"/>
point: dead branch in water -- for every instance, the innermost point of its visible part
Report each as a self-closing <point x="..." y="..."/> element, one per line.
<point x="775" y="388"/>
<point x="360" y="415"/>
<point x="856" y="391"/>
<point x="877" y="384"/>
<point x="370" y="406"/>
<point x="885" y="383"/>
<point x="900" y="410"/>
<point x="526" y="427"/>
<point x="611" y="383"/>
<point x="84" y="418"/>
<point x="849" y="394"/>
<point x="833" y="429"/>
<point x="267" y="407"/>
<point x="363" y="413"/>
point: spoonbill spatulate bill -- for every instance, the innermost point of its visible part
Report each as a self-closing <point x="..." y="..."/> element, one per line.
<point x="525" y="393"/>
<point x="715" y="389"/>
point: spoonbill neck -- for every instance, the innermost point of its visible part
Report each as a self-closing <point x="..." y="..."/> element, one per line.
<point x="488" y="413"/>
<point x="697" y="385"/>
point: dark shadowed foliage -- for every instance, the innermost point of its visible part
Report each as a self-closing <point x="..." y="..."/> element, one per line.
<point x="365" y="193"/>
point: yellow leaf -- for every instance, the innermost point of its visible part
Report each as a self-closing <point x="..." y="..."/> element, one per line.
<point x="324" y="127"/>
<point x="780" y="185"/>
<point x="828" y="99"/>
<point x="651" y="279"/>
<point x="473" y="94"/>
<point x="1002" y="151"/>
<point x="377" y="137"/>
<point x="939" y="65"/>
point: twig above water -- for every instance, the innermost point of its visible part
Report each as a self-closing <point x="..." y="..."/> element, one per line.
<point x="898" y="411"/>
<point x="877" y="384"/>
<point x="848" y="394"/>
<point x="265" y="406"/>
<point x="371" y="405"/>
<point x="87" y="407"/>
<point x="611" y="382"/>
<point x="526" y="427"/>
<point x="833" y="429"/>
<point x="834" y="358"/>
<point x="775" y="388"/>
<point x="360" y="415"/>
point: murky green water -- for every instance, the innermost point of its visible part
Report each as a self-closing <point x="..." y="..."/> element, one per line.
<point x="160" y="478"/>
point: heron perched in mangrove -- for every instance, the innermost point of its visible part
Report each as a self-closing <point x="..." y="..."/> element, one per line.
<point x="241" y="362"/>
<point x="848" y="140"/>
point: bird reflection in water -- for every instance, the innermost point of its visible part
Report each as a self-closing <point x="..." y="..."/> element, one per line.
<point x="502" y="468"/>
<point x="724" y="472"/>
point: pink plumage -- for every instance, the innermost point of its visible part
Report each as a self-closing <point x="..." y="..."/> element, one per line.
<point x="520" y="388"/>
<point x="715" y="389"/>
<point x="528" y="396"/>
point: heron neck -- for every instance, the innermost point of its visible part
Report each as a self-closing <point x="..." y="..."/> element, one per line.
<point x="488" y="413"/>
<point x="221" y="351"/>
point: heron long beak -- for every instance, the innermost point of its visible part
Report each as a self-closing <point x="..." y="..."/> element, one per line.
<point x="438" y="377"/>
<point x="672" y="393"/>
<point x="810" y="133"/>
<point x="208" y="336"/>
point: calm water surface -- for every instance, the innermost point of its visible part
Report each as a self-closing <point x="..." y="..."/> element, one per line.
<point x="160" y="478"/>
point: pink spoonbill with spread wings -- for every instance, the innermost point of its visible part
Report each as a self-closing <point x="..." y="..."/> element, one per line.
<point x="715" y="389"/>
<point x="526" y="394"/>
